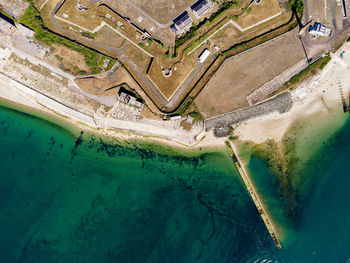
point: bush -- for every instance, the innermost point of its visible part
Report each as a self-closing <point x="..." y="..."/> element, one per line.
<point x="297" y="5"/>
<point x="196" y="115"/>
<point x="110" y="64"/>
<point x="82" y="72"/>
<point x="223" y="8"/>
<point x="184" y="106"/>
<point x="102" y="61"/>
<point x="96" y="70"/>
<point x="232" y="137"/>
<point x="187" y="36"/>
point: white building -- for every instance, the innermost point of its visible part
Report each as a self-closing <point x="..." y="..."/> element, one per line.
<point x="320" y="30"/>
<point x="201" y="7"/>
<point x="204" y="55"/>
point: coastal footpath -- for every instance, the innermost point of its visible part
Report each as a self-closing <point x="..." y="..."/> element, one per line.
<point x="253" y="194"/>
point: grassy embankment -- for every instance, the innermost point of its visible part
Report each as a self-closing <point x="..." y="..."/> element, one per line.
<point x="307" y="73"/>
<point x="190" y="108"/>
<point x="33" y="20"/>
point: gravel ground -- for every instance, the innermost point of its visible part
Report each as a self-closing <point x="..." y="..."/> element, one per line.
<point x="222" y="124"/>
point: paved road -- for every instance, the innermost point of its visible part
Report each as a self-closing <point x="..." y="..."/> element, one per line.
<point x="169" y="105"/>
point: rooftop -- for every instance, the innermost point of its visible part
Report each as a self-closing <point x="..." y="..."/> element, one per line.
<point x="130" y="98"/>
<point x="182" y="21"/>
<point x="201" y="7"/>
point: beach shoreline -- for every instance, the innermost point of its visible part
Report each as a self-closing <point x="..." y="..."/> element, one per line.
<point x="312" y="98"/>
<point x="17" y="94"/>
<point x="309" y="98"/>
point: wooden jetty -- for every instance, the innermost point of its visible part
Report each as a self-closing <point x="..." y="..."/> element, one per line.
<point x="346" y="108"/>
<point x="250" y="187"/>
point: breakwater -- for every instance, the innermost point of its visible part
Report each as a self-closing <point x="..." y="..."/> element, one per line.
<point x="252" y="192"/>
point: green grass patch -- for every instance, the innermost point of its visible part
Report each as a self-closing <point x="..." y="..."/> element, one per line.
<point x="89" y="34"/>
<point x="223" y="8"/>
<point x="184" y="106"/>
<point x="149" y="42"/>
<point x="96" y="70"/>
<point x="196" y="115"/>
<point x="297" y="5"/>
<point x="59" y="58"/>
<point x="32" y="19"/>
<point x="319" y="64"/>
<point x="186" y="37"/>
<point x="110" y="64"/>
<point x="232" y="137"/>
<point x="160" y="44"/>
<point x="167" y="54"/>
<point x="325" y="61"/>
<point x="102" y="61"/>
<point x="249" y="10"/>
<point x="82" y="72"/>
<point x="7" y="15"/>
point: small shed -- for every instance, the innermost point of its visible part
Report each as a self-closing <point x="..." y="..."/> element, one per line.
<point x="204" y="55"/>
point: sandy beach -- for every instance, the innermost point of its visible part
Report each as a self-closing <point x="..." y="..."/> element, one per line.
<point x="314" y="97"/>
<point x="15" y="92"/>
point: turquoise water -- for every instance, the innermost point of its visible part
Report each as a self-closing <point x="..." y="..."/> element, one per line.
<point x="72" y="197"/>
<point x="318" y="229"/>
<point x="67" y="197"/>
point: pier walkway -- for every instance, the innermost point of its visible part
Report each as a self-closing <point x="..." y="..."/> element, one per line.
<point x="250" y="187"/>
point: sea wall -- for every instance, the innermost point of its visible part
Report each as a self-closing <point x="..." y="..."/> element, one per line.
<point x="222" y="123"/>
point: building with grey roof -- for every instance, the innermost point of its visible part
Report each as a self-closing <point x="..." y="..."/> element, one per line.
<point x="201" y="7"/>
<point x="181" y="23"/>
<point x="129" y="98"/>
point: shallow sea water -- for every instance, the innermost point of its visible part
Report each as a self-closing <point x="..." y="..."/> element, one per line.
<point x="67" y="197"/>
<point x="319" y="231"/>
